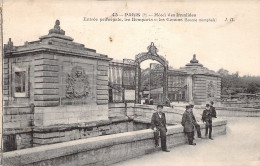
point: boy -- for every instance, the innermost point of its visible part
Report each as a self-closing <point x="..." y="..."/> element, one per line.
<point x="207" y="117"/>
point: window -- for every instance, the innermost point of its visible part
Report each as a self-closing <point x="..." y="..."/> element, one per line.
<point x="19" y="81"/>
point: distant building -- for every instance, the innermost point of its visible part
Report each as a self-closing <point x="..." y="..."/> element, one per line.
<point x="192" y="83"/>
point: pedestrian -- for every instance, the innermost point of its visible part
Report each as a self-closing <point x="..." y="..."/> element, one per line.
<point x="213" y="110"/>
<point x="187" y="123"/>
<point x="168" y="102"/>
<point x="197" y="126"/>
<point x="158" y="124"/>
<point x="146" y="101"/>
<point x="151" y="101"/>
<point x="207" y="118"/>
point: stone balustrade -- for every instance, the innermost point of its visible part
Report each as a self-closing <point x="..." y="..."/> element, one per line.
<point x="103" y="150"/>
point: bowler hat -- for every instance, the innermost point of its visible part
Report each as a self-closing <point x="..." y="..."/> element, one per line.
<point x="187" y="106"/>
<point x="159" y="105"/>
<point x="191" y="105"/>
<point x="207" y="105"/>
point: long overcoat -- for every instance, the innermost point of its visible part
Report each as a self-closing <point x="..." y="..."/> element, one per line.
<point x="187" y="122"/>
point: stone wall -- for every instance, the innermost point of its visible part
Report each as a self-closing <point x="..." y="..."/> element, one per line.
<point x="117" y="110"/>
<point x="231" y="111"/>
<point x="10" y="64"/>
<point x="206" y="89"/>
<point x="69" y="114"/>
<point x="64" y="133"/>
<point x="55" y="103"/>
<point x="71" y="123"/>
<point x="241" y="104"/>
<point x="144" y="113"/>
<point x="102" y="150"/>
<point x="6" y="77"/>
<point x="17" y="127"/>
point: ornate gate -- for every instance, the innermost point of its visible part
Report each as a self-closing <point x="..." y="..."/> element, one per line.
<point x="151" y="54"/>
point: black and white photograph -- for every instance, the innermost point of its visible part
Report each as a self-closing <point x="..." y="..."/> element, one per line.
<point x="130" y="83"/>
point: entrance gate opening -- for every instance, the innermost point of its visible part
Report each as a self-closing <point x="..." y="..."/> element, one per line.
<point x="151" y="54"/>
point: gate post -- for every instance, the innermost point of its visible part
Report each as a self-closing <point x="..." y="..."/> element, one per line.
<point x="165" y="84"/>
<point x="137" y="83"/>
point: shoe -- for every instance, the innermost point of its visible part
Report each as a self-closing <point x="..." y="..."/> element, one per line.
<point x="166" y="150"/>
<point x="193" y="144"/>
<point x="211" y="138"/>
<point x="199" y="137"/>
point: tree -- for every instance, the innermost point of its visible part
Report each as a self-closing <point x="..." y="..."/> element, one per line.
<point x="252" y="87"/>
<point x="223" y="72"/>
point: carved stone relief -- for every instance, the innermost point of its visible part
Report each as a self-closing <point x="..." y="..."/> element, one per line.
<point x="78" y="84"/>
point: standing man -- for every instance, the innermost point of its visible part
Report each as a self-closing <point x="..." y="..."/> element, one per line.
<point x="158" y="124"/>
<point x="187" y="123"/>
<point x="213" y="110"/>
<point x="168" y="102"/>
<point x="151" y="101"/>
<point x="207" y="117"/>
<point x="197" y="126"/>
<point x="146" y="101"/>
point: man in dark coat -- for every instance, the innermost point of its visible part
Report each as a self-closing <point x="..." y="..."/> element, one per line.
<point x="146" y="101"/>
<point x="213" y="110"/>
<point x="168" y="102"/>
<point x="158" y="124"/>
<point x="207" y="117"/>
<point x="151" y="101"/>
<point x="197" y="126"/>
<point x="188" y="124"/>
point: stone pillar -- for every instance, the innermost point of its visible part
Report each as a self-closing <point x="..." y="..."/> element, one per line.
<point x="165" y="84"/>
<point x="137" y="82"/>
<point x="189" y="89"/>
<point x="218" y="89"/>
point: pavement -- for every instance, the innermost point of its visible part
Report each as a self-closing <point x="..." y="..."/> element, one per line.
<point x="239" y="147"/>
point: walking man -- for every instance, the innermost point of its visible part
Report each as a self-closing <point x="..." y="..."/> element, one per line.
<point x="197" y="126"/>
<point x="187" y="123"/>
<point x="207" y="117"/>
<point x="158" y="124"/>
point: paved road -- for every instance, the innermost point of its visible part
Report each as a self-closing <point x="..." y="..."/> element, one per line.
<point x="240" y="147"/>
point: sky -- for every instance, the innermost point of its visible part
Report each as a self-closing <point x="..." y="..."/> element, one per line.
<point x="234" y="46"/>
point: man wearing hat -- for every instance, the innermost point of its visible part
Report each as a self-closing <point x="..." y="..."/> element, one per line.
<point x="213" y="110"/>
<point x="207" y="117"/>
<point x="188" y="124"/>
<point x="158" y="124"/>
<point x="197" y="126"/>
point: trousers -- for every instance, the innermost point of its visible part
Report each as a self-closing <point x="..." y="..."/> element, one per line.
<point x="198" y="130"/>
<point x="208" y="127"/>
<point x="162" y="132"/>
<point x="190" y="137"/>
